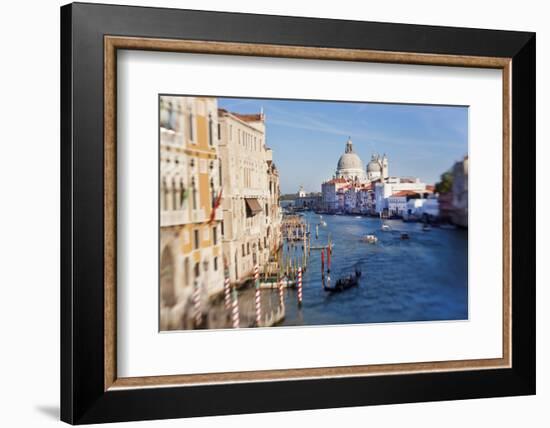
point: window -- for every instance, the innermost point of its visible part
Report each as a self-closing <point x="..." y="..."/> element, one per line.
<point x="243" y="251"/>
<point x="197" y="270"/>
<point x="196" y="241"/>
<point x="220" y="173"/>
<point x="223" y="228"/>
<point x="194" y="190"/>
<point x="219" y="131"/>
<point x="190" y="125"/>
<point x="186" y="271"/>
<point x="210" y="130"/>
<point x="215" y="235"/>
<point x="175" y="195"/>
<point x="212" y="193"/>
<point x="215" y="263"/>
<point x="248" y="248"/>
<point x="173" y="117"/>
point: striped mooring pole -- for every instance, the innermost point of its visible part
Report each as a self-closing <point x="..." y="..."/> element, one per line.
<point x="235" y="309"/>
<point x="197" y="304"/>
<point x="227" y="292"/>
<point x="300" y="286"/>
<point x="258" y="300"/>
<point x="281" y="294"/>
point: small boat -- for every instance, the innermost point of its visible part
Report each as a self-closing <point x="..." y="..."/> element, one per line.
<point x="323" y="223"/>
<point x="370" y="239"/>
<point x="448" y="226"/>
<point x="426" y="228"/>
<point x="386" y="227"/>
<point x="344" y="283"/>
<point x="357" y="216"/>
<point x="404" y="236"/>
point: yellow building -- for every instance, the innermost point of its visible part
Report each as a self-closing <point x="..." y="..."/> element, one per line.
<point x="251" y="212"/>
<point x="190" y="232"/>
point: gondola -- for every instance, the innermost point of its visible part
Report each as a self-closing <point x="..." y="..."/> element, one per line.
<point x="345" y="283"/>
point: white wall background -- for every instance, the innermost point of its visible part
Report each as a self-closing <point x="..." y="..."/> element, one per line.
<point x="29" y="214"/>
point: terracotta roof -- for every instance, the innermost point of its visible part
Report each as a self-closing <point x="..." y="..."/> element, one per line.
<point x="336" y="180"/>
<point x="430" y="187"/>
<point x="256" y="117"/>
<point x="405" y="193"/>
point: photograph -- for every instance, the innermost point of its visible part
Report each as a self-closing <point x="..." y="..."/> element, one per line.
<point x="296" y="213"/>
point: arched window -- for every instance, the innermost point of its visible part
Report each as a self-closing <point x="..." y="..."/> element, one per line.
<point x="163" y="192"/>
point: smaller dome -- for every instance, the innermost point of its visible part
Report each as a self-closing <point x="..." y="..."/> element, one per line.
<point x="373" y="166"/>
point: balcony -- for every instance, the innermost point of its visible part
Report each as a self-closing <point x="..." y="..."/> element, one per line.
<point x="173" y="218"/>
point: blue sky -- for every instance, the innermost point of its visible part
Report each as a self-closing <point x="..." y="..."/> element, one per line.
<point x="308" y="137"/>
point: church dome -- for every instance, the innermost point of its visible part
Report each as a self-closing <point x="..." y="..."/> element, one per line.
<point x="350" y="161"/>
<point x="373" y="166"/>
<point x="350" y="166"/>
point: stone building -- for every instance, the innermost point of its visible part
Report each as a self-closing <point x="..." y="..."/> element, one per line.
<point x="190" y="233"/>
<point x="329" y="191"/>
<point x="460" y="193"/>
<point x="250" y="181"/>
<point x="392" y="185"/>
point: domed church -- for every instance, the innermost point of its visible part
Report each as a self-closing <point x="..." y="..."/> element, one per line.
<point x="350" y="165"/>
<point x="377" y="167"/>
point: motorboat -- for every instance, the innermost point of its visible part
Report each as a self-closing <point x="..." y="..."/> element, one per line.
<point x="386" y="227"/>
<point x="370" y="239"/>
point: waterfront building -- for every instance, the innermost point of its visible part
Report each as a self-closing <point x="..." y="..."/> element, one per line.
<point x="350" y="199"/>
<point x="365" y="199"/>
<point x="460" y="193"/>
<point x="251" y="213"/>
<point x="190" y="244"/>
<point x="393" y="185"/>
<point x="301" y="192"/>
<point x="329" y="191"/>
<point x="398" y="202"/>
<point x="350" y="166"/>
<point x="310" y="201"/>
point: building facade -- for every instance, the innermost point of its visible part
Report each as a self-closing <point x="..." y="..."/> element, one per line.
<point x="190" y="235"/>
<point x="250" y="181"/>
<point x="460" y="193"/>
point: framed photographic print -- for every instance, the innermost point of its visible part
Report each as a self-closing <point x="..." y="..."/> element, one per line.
<point x="277" y="213"/>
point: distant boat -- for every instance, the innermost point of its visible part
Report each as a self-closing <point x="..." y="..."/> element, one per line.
<point x="404" y="236"/>
<point x="370" y="239"/>
<point x="323" y="223"/>
<point x="357" y="216"/>
<point x="386" y="227"/>
<point x="426" y="228"/>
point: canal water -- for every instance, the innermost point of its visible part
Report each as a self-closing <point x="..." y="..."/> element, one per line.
<point x="424" y="278"/>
